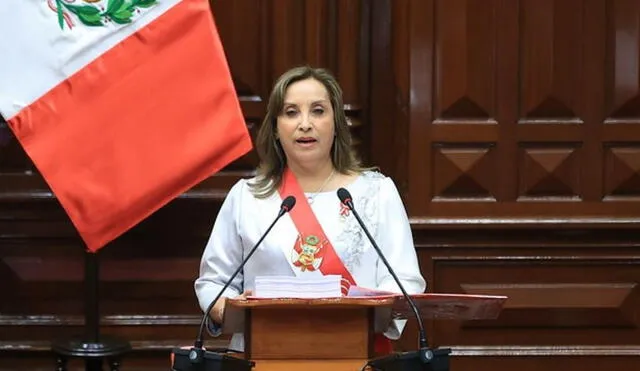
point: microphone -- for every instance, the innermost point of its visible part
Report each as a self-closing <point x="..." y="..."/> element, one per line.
<point x="197" y="355"/>
<point x="425" y="354"/>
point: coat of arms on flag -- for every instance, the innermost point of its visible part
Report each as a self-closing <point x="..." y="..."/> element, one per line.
<point x="97" y="12"/>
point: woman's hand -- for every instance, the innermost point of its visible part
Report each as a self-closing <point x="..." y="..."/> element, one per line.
<point x="217" y="312"/>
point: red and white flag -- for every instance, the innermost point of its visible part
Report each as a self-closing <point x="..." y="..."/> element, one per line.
<point x="122" y="105"/>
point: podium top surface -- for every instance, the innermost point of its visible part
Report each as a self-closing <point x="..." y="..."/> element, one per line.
<point x="252" y="302"/>
<point x="430" y="305"/>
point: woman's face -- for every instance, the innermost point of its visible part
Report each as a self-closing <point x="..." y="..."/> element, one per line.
<point x="306" y="125"/>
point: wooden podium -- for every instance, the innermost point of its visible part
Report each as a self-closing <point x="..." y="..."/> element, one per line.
<point x="335" y="334"/>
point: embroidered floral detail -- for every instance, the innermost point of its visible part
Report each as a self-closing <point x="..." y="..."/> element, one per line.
<point x="344" y="211"/>
<point x="353" y="237"/>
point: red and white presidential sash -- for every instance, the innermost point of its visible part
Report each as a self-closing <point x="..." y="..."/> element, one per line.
<point x="312" y="250"/>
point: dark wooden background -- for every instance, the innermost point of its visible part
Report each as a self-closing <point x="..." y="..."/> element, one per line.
<point x="510" y="127"/>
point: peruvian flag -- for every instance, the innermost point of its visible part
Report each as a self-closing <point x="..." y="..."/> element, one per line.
<point x="122" y="105"/>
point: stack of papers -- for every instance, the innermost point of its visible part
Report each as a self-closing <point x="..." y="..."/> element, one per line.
<point x="297" y="287"/>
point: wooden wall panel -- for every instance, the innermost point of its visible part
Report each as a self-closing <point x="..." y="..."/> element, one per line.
<point x="512" y="160"/>
<point x="514" y="104"/>
<point x="573" y="295"/>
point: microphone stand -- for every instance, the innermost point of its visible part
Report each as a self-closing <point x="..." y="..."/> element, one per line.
<point x="195" y="359"/>
<point x="425" y="358"/>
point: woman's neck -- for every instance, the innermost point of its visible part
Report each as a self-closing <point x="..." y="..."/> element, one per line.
<point x="309" y="177"/>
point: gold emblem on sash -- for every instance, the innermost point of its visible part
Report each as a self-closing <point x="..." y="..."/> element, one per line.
<point x="307" y="253"/>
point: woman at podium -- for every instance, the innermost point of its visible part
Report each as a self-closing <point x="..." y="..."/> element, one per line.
<point x="304" y="146"/>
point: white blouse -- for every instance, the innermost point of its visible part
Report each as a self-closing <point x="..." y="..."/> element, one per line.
<point x="243" y="219"/>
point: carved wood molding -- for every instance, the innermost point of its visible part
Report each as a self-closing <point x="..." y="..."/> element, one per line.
<point x="544" y="351"/>
<point x="115" y="320"/>
<point x="526" y="222"/>
<point x="137" y="346"/>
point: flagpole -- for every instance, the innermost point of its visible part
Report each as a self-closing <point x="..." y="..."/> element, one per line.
<point x="91" y="306"/>
<point x="92" y="347"/>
